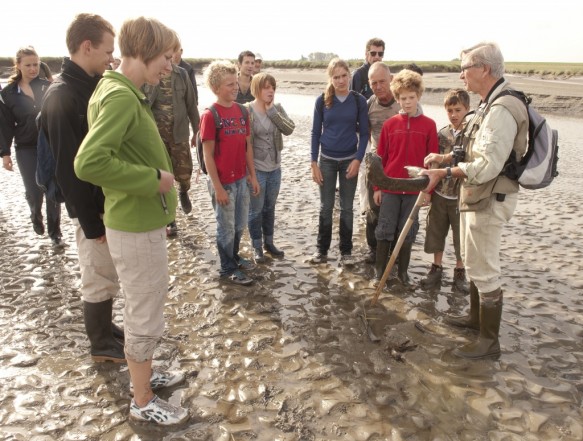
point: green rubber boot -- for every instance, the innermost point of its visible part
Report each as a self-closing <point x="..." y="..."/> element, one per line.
<point x="487" y="344"/>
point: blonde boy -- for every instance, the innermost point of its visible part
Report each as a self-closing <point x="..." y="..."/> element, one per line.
<point x="228" y="156"/>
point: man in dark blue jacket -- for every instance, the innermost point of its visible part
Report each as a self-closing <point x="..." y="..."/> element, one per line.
<point x="375" y="51"/>
<point x="90" y="41"/>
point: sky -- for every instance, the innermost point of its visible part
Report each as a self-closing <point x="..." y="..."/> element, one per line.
<point x="424" y="30"/>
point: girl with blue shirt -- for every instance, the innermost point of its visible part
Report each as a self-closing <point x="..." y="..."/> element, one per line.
<point x="337" y="152"/>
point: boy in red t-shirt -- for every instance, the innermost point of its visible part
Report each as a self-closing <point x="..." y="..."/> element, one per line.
<point x="229" y="162"/>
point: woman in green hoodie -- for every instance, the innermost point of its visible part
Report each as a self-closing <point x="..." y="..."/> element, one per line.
<point x="124" y="154"/>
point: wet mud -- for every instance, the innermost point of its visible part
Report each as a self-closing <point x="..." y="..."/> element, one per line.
<point x="302" y="355"/>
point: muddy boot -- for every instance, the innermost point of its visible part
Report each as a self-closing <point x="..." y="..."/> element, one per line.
<point x="460" y="284"/>
<point x="104" y="347"/>
<point x="472" y="319"/>
<point x="371" y="255"/>
<point x="382" y="257"/>
<point x="433" y="279"/>
<point x="404" y="259"/>
<point x="487" y="344"/>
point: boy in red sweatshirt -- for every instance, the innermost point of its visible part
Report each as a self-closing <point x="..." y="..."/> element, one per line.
<point x="405" y="139"/>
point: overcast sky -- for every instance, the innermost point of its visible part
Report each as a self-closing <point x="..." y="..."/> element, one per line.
<point x="423" y="30"/>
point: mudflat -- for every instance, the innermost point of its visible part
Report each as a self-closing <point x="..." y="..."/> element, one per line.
<point x="550" y="95"/>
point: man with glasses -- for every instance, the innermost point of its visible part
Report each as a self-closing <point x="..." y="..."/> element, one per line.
<point x="375" y="51"/>
<point x="495" y="131"/>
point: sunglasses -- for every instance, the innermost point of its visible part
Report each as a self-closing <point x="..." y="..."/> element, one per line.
<point x="374" y="53"/>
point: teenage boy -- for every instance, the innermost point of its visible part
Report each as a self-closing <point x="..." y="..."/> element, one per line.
<point x="444" y="201"/>
<point x="246" y="64"/>
<point x="90" y="41"/>
<point x="229" y="163"/>
<point x="406" y="139"/>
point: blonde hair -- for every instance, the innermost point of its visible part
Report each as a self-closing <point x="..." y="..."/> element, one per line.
<point x="330" y="92"/>
<point x="259" y="81"/>
<point x="216" y="71"/>
<point x="407" y="81"/>
<point x="22" y="52"/>
<point x="146" y="38"/>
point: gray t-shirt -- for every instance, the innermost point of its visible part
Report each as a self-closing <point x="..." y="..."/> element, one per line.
<point x="377" y="115"/>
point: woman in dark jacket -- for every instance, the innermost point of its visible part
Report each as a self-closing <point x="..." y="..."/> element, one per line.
<point x="20" y="103"/>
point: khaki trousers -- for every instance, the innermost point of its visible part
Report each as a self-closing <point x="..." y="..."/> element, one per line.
<point x="141" y="261"/>
<point x="481" y="235"/>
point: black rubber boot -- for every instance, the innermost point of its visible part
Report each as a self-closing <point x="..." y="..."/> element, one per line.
<point x="382" y="257"/>
<point x="404" y="259"/>
<point x="472" y="319"/>
<point x="432" y="280"/>
<point x="487" y="344"/>
<point x="371" y="255"/>
<point x="104" y="347"/>
<point x="273" y="250"/>
<point x="460" y="284"/>
<point x="118" y="333"/>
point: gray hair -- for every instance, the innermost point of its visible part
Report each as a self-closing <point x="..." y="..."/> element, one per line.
<point x="485" y="54"/>
<point x="379" y="65"/>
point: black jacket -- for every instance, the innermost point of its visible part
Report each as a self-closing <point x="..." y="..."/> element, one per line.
<point x="17" y="115"/>
<point x="64" y="122"/>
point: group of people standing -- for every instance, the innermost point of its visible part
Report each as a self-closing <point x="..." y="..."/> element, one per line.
<point x="467" y="189"/>
<point x="112" y="134"/>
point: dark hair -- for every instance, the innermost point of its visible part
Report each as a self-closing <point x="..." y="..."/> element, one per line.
<point x="87" y="27"/>
<point x="245" y="54"/>
<point x="22" y="52"/>
<point x="457" y="96"/>
<point x="375" y="42"/>
<point x="414" y="68"/>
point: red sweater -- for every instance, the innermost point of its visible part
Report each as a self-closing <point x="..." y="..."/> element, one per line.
<point x="406" y="140"/>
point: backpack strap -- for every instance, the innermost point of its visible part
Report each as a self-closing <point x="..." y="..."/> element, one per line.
<point x="218" y="126"/>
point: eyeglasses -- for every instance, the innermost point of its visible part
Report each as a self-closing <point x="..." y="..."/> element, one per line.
<point x="374" y="53"/>
<point x="468" y="66"/>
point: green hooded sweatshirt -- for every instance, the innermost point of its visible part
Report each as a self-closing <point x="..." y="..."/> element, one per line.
<point x="122" y="153"/>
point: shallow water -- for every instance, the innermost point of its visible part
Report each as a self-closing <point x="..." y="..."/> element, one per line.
<point x="291" y="358"/>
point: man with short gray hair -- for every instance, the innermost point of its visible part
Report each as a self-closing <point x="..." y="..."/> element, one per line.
<point x="497" y="130"/>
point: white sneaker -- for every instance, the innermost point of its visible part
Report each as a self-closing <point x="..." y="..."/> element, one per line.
<point x="158" y="411"/>
<point x="158" y="380"/>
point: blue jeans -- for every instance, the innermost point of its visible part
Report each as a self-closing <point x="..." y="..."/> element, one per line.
<point x="262" y="207"/>
<point x="27" y="159"/>
<point x="331" y="171"/>
<point x="231" y="221"/>
<point x="393" y="215"/>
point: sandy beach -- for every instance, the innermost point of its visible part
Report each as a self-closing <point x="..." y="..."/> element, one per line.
<point x="302" y="355"/>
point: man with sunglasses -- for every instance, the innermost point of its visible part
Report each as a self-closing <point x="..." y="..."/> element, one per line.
<point x="375" y="51"/>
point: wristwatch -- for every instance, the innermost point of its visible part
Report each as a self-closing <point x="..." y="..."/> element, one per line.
<point x="448" y="171"/>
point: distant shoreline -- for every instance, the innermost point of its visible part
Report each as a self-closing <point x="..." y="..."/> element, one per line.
<point x="553" y="96"/>
<point x="561" y="97"/>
